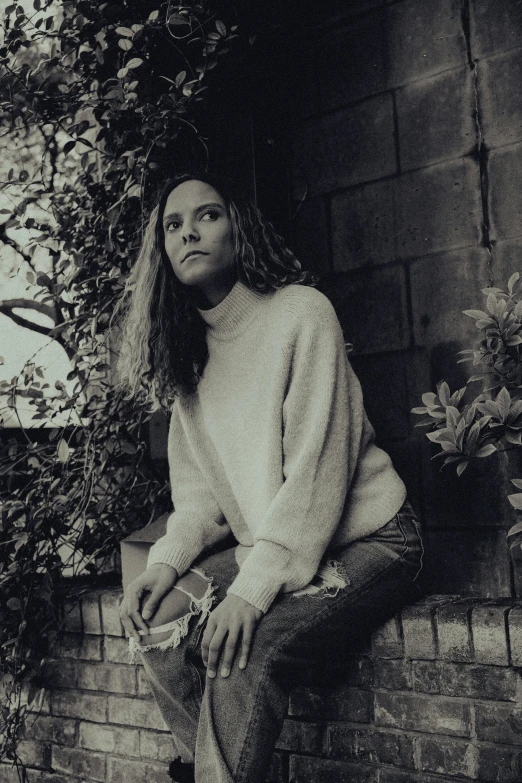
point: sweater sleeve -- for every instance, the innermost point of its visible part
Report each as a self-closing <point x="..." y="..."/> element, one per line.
<point x="197" y="521"/>
<point x="322" y="428"/>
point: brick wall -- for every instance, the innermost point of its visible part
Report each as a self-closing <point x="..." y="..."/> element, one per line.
<point x="403" y="124"/>
<point x="436" y="697"/>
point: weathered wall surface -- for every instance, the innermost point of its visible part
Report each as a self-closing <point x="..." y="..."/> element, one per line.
<point x="404" y="128"/>
<point x="435" y="697"/>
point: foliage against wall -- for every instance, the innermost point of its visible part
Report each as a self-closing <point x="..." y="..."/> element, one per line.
<point x="103" y="92"/>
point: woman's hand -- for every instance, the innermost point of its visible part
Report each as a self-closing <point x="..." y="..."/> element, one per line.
<point x="232" y="619"/>
<point x="157" y="580"/>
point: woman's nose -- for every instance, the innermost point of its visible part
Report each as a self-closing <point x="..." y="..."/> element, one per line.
<point x="189" y="232"/>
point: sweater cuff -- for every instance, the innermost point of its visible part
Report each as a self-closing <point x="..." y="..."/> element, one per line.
<point x="259" y="594"/>
<point x="171" y="554"/>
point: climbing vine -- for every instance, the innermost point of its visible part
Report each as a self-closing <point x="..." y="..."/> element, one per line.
<point x="94" y="99"/>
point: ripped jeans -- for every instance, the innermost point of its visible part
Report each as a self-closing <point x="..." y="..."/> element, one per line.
<point x="230" y="726"/>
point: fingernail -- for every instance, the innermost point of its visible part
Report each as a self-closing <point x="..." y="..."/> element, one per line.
<point x="225" y="672"/>
<point x="147" y="614"/>
<point x="211" y="673"/>
<point x="242" y="664"/>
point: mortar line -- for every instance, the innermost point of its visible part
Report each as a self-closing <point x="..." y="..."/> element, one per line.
<point x="482" y="153"/>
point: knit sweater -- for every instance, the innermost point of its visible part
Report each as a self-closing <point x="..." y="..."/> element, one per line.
<point x="275" y="446"/>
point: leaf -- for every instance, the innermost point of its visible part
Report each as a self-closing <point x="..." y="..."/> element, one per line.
<point x="517" y="541"/>
<point x="444" y="393"/>
<point x="437" y="414"/>
<point x="486" y="451"/>
<point x="62" y="453"/>
<point x="419" y="410"/>
<point x="135" y="62"/>
<point x="221" y="28"/>
<point x="504" y="402"/>
<point x="125" y="44"/>
<point x="31" y="278"/>
<point x="125" y="31"/>
<point x="180" y="78"/>
<point x="517" y="483"/>
<point x="134" y="192"/>
<point x="500" y="308"/>
<point x="461" y="468"/>
<point x="516" y="500"/>
<point x="475" y="313"/>
<point x="122" y="73"/>
<point x="515" y="529"/>
<point x="153" y="16"/>
<point x="14" y="604"/>
<point x="512" y="280"/>
<point x="457" y="396"/>
<point x="514" y="437"/>
<point x="452" y="416"/>
<point x="440" y="435"/>
<point x="177" y="19"/>
<point x="68" y="146"/>
<point x="430" y="399"/>
<point x="472" y="438"/>
<point x="491" y="303"/>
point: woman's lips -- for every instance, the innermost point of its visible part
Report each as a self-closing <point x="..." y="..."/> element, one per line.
<point x="194" y="253"/>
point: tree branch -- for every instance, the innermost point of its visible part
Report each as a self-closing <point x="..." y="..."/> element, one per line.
<point x="29" y="304"/>
<point x="8" y="305"/>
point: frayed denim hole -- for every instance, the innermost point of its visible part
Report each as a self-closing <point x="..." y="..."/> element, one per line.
<point x="180" y="626"/>
<point x="330" y="578"/>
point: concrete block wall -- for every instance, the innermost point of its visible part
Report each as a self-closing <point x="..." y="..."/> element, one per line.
<point x="406" y="178"/>
<point x="436" y="696"/>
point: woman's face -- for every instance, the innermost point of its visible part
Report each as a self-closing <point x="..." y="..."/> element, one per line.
<point x="198" y="239"/>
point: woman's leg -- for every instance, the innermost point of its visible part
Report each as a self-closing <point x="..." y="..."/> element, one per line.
<point x="234" y="733"/>
<point x="170" y="658"/>
<point x="242" y="715"/>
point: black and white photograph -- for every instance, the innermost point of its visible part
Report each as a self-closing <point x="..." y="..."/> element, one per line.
<point x="261" y="391"/>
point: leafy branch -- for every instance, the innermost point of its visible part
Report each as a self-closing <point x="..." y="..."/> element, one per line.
<point x="493" y="417"/>
<point x="95" y="99"/>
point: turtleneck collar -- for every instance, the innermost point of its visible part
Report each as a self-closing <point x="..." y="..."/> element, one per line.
<point x="234" y="313"/>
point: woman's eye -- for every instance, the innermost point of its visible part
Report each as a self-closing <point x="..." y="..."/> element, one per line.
<point x="210" y="214"/>
<point x="172" y="225"/>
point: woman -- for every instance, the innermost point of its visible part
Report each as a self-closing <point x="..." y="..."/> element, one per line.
<point x="268" y="441"/>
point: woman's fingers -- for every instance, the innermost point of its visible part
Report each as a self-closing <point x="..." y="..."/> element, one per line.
<point x="130" y="616"/>
<point x="229" y="651"/>
<point x="211" y="646"/>
<point x="231" y="619"/>
<point x="246" y="644"/>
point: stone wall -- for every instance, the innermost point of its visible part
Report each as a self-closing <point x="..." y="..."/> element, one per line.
<point x="403" y="124"/>
<point x="384" y="139"/>
<point x="436" y="696"/>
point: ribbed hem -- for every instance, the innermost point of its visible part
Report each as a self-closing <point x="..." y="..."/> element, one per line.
<point x="172" y="555"/>
<point x="258" y="594"/>
<point x="231" y="316"/>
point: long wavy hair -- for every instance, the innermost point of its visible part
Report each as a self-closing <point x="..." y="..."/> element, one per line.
<point x="163" y="347"/>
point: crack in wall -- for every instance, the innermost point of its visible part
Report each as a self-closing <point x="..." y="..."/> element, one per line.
<point x="481" y="150"/>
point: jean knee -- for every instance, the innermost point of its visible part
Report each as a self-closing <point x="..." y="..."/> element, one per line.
<point x="175" y="630"/>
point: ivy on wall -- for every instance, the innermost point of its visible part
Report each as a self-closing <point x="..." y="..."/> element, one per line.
<point x="94" y="97"/>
